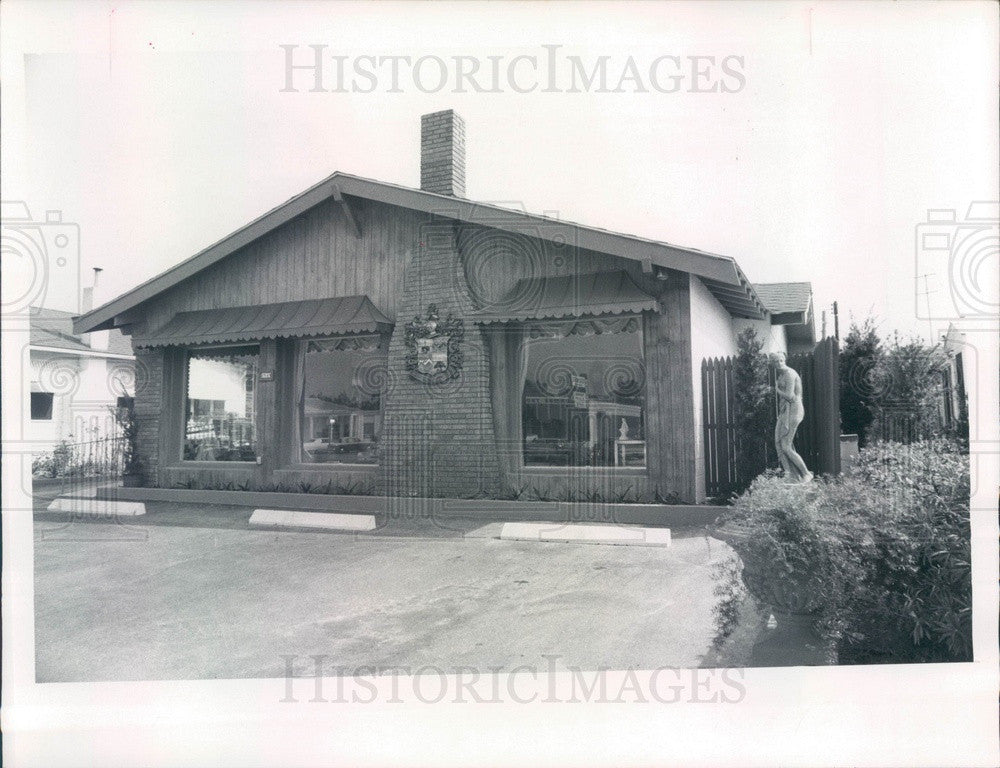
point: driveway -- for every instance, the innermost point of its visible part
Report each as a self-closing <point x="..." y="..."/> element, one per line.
<point x="171" y="601"/>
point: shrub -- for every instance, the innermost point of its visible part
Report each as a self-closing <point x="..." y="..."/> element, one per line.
<point x="791" y="538"/>
<point x="732" y="595"/>
<point x="59" y="463"/>
<point x="917" y="605"/>
<point x="754" y="409"/>
<point x="42" y="465"/>
<point x="128" y="425"/>
<point x="883" y="554"/>
<point x="859" y="359"/>
<point x="909" y="392"/>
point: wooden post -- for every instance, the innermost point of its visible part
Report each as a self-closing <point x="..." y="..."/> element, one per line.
<point x="670" y="390"/>
<point x="173" y="409"/>
<point x="286" y="424"/>
<point x="267" y="412"/>
<point x="706" y="422"/>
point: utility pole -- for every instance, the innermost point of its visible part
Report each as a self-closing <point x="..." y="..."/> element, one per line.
<point x="836" y="322"/>
<point x="822" y="333"/>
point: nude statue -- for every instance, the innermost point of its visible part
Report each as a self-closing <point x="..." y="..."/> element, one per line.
<point x="788" y="387"/>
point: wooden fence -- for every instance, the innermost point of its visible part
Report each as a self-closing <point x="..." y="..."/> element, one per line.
<point x="817" y="439"/>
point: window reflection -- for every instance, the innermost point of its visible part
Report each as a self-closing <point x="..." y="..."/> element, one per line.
<point x="220" y="411"/>
<point x="341" y="417"/>
<point x="584" y="398"/>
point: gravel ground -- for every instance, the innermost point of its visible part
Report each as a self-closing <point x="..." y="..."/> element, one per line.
<point x="191" y="593"/>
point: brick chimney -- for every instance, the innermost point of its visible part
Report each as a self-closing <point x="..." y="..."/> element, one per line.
<point x="96" y="339"/>
<point x="442" y="153"/>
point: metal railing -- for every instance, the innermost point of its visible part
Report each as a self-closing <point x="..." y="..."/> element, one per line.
<point x="83" y="465"/>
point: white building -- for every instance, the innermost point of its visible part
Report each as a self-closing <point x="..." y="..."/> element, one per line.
<point x="76" y="381"/>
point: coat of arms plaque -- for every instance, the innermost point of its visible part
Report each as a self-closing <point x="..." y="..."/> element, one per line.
<point x="433" y="352"/>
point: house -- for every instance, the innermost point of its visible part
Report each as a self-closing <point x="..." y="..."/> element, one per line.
<point x="790" y="308"/>
<point x="76" y="380"/>
<point x="954" y="409"/>
<point x="435" y="346"/>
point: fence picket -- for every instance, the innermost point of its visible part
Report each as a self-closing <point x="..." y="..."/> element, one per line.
<point x="83" y="466"/>
<point x="817" y="439"/>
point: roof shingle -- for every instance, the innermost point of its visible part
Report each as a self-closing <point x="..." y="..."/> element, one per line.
<point x="53" y="328"/>
<point x="779" y="298"/>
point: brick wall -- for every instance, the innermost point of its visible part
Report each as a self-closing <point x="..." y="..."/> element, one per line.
<point x="442" y="153"/>
<point x="438" y="438"/>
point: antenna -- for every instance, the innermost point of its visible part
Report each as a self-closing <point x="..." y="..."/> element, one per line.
<point x="926" y="293"/>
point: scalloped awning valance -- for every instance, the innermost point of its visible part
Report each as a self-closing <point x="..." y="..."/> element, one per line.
<point x="569" y="296"/>
<point x="293" y="319"/>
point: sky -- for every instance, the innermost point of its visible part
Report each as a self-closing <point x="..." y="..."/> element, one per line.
<point x="159" y="128"/>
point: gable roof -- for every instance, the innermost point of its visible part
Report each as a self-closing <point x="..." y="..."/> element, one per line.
<point x="785" y="297"/>
<point x="721" y="274"/>
<point x="790" y="305"/>
<point x="53" y="329"/>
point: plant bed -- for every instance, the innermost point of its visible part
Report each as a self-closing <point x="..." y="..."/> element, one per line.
<point x="555" y="511"/>
<point x="876" y="565"/>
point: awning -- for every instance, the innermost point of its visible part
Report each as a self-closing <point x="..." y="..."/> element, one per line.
<point x="599" y="293"/>
<point x="314" y="317"/>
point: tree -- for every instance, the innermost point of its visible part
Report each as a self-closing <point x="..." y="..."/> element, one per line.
<point x="754" y="409"/>
<point x="909" y="386"/>
<point x="133" y="464"/>
<point x="859" y="361"/>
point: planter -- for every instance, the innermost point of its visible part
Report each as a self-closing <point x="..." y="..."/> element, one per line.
<point x="792" y="599"/>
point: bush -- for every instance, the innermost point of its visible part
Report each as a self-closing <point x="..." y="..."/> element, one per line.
<point x="43" y="465"/>
<point x="755" y="415"/>
<point x="859" y="359"/>
<point x="128" y="425"/>
<point x="910" y="390"/>
<point x="792" y="538"/>
<point x="58" y="463"/>
<point x="917" y="605"/>
<point x="884" y="555"/>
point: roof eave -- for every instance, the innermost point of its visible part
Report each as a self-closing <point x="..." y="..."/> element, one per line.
<point x="720" y="269"/>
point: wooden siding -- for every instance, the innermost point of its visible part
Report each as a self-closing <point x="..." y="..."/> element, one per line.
<point x="494" y="261"/>
<point x="820" y="373"/>
<point x="314" y="256"/>
<point x="712" y="335"/>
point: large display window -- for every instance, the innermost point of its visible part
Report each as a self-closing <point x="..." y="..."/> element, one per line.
<point x="220" y="408"/>
<point x="340" y="417"/>
<point x="584" y="396"/>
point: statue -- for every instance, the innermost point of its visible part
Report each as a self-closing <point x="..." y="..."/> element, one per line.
<point x="788" y="387"/>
